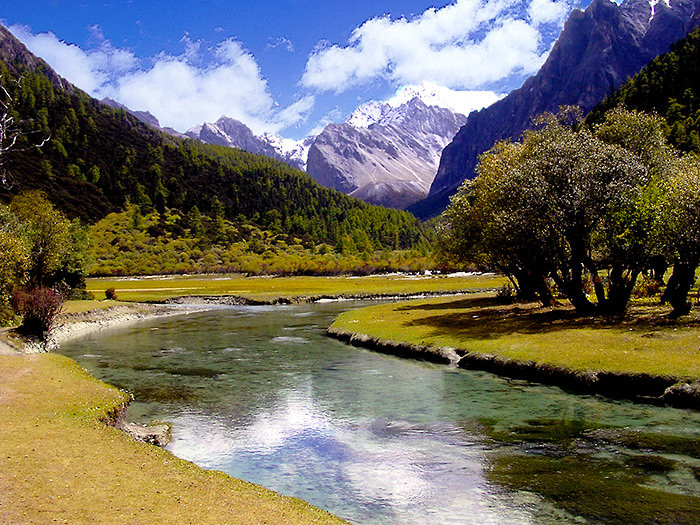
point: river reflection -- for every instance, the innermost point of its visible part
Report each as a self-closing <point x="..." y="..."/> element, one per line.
<point x="262" y="394"/>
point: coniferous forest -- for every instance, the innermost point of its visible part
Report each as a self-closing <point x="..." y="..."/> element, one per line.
<point x="96" y="159"/>
<point x="668" y="86"/>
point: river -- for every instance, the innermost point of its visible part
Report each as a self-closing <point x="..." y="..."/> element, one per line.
<point x="262" y="394"/>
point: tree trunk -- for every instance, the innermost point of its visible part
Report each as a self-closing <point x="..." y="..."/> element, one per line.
<point x="544" y="292"/>
<point x="620" y="290"/>
<point x="658" y="268"/>
<point x="679" y="285"/>
<point x="527" y="289"/>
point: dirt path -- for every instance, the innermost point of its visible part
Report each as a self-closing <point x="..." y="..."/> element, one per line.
<point x="6" y="347"/>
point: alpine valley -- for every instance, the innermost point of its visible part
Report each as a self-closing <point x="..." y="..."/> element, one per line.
<point x="384" y="153"/>
<point x="414" y="151"/>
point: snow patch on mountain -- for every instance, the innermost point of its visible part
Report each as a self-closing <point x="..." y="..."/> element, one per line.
<point x="398" y="108"/>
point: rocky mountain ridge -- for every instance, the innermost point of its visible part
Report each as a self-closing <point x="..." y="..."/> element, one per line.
<point x="598" y="49"/>
<point x="383" y="154"/>
<point x="235" y="134"/>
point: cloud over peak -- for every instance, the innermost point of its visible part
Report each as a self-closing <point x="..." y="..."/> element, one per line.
<point x="465" y="45"/>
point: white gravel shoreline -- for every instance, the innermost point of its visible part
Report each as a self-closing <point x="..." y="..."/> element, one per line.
<point x="71" y="326"/>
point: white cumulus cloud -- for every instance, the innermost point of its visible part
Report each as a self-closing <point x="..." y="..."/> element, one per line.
<point x="465" y="45"/>
<point x="89" y="70"/>
<point x="199" y="85"/>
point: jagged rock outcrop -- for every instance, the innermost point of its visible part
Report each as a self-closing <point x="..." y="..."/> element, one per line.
<point x="382" y="154"/>
<point x="12" y="51"/>
<point x="598" y="50"/>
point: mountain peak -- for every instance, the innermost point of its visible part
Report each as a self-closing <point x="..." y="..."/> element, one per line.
<point x="233" y="133"/>
<point x="384" y="153"/>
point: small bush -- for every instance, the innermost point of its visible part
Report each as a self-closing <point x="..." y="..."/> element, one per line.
<point x="505" y="294"/>
<point x="80" y="294"/>
<point x="111" y="294"/>
<point x="40" y="308"/>
<point x="647" y="286"/>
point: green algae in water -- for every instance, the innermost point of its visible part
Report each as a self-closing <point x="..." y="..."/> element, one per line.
<point x="638" y="440"/>
<point x="559" y="432"/>
<point x="652" y="464"/>
<point x="595" y="489"/>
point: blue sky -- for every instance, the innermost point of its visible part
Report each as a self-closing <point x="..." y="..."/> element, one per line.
<point x="284" y="66"/>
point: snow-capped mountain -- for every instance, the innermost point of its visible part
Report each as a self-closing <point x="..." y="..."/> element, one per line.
<point x="295" y="152"/>
<point x="384" y="153"/>
<point x="233" y="133"/>
<point x="463" y="102"/>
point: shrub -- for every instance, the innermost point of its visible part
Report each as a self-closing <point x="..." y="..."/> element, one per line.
<point x="505" y="294"/>
<point x="80" y="294"/>
<point x="647" y="286"/>
<point x="39" y="307"/>
<point x="111" y="294"/>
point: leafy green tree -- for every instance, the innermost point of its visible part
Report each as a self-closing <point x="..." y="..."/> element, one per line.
<point x="14" y="261"/>
<point x="218" y="227"/>
<point x="55" y="245"/>
<point x="680" y="213"/>
<point x="564" y="203"/>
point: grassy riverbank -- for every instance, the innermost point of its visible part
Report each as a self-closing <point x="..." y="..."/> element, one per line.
<point x="61" y="462"/>
<point x="154" y="289"/>
<point x="645" y="343"/>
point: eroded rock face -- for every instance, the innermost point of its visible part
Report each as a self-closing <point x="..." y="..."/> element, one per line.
<point x="388" y="160"/>
<point x="598" y="50"/>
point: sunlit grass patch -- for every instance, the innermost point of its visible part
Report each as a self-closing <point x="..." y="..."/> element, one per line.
<point x="82" y="306"/>
<point x="643" y="343"/>
<point x="269" y="288"/>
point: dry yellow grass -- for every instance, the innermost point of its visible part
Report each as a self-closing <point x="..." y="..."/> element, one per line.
<point x="60" y="462"/>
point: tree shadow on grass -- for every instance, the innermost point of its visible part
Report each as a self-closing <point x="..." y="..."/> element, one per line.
<point x="486" y="318"/>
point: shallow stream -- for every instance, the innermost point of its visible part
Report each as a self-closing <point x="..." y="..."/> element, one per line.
<point x="262" y="394"/>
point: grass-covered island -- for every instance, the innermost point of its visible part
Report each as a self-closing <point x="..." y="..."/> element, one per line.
<point x="289" y="289"/>
<point x="639" y="357"/>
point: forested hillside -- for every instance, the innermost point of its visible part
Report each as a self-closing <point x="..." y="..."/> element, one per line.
<point x="97" y="159"/>
<point x="669" y="86"/>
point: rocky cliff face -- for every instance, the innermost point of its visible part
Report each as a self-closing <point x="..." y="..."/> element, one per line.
<point x="13" y="53"/>
<point x="596" y="52"/>
<point x="382" y="154"/>
<point x="233" y="133"/>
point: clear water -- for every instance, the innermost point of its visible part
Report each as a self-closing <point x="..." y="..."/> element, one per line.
<point x="262" y="394"/>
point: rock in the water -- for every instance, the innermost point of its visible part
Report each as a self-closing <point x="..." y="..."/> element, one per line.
<point x="685" y="395"/>
<point x="158" y="434"/>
